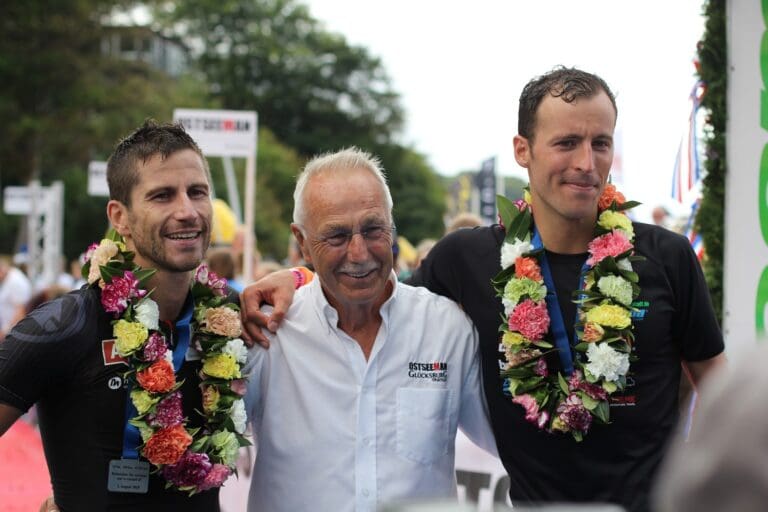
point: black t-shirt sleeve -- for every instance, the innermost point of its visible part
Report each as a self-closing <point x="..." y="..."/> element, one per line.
<point x="696" y="326"/>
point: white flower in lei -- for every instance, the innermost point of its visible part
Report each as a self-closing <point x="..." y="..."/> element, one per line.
<point x="239" y="417"/>
<point x="148" y="313"/>
<point x="511" y="251"/>
<point x="606" y="362"/>
<point x="236" y="348"/>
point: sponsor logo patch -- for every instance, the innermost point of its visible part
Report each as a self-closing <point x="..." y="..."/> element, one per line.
<point x="110" y="354"/>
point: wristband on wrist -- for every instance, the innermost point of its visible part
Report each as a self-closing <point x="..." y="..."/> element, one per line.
<point x="301" y="276"/>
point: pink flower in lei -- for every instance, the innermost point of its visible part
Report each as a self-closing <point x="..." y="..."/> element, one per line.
<point x="238" y="386"/>
<point x="530" y="318"/>
<point x="610" y="244"/>
<point x="117" y="293"/>
<point x="576" y="382"/>
<point x="532" y="413"/>
<point x="573" y="413"/>
<point x="215" y="477"/>
<point x="168" y="412"/>
<point x="189" y="471"/>
<point x="155" y="348"/>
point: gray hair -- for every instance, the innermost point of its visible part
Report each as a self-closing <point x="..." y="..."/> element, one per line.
<point x="345" y="160"/>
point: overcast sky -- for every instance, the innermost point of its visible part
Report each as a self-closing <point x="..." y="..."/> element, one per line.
<point x="460" y="67"/>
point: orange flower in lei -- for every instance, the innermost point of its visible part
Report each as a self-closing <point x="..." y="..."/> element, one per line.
<point x="553" y="401"/>
<point x="167" y="445"/>
<point x="158" y="378"/>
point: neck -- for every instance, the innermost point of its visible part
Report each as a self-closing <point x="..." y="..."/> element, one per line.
<point x="170" y="292"/>
<point x="362" y="321"/>
<point x="565" y="236"/>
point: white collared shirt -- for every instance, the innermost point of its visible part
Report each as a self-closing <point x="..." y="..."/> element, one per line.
<point x="335" y="432"/>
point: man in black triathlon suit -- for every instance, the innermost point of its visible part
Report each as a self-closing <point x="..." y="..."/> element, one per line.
<point x="62" y="356"/>
<point x="566" y="123"/>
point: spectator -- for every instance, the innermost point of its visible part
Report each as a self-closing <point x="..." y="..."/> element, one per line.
<point x="15" y="291"/>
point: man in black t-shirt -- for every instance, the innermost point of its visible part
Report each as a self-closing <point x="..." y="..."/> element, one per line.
<point x="565" y="141"/>
<point x="62" y="356"/>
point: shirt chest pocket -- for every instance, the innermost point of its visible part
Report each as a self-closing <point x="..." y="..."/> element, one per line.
<point x="423" y="423"/>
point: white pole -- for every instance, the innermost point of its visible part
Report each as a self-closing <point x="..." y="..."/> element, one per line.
<point x="249" y="238"/>
<point x="232" y="195"/>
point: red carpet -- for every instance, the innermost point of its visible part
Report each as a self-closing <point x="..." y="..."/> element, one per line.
<point x="24" y="482"/>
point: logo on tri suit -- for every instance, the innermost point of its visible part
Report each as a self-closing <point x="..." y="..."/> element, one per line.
<point x="112" y="357"/>
<point x="110" y="354"/>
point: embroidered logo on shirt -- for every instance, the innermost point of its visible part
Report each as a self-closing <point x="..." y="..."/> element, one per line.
<point x="436" y="371"/>
<point x="640" y="309"/>
<point x="110" y="354"/>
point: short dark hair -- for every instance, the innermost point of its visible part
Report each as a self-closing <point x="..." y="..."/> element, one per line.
<point x="568" y="84"/>
<point x="150" y="139"/>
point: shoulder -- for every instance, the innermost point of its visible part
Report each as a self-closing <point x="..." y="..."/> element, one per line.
<point x="64" y="317"/>
<point x="659" y="244"/>
<point x="477" y="240"/>
<point x="652" y="235"/>
<point x="429" y="306"/>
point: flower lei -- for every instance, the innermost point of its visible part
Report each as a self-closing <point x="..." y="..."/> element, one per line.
<point x="190" y="460"/>
<point x="552" y="401"/>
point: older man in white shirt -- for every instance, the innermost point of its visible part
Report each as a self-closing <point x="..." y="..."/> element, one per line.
<point x="357" y="401"/>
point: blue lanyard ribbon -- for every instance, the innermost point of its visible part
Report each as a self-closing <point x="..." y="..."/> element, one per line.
<point x="131" y="434"/>
<point x="557" y="325"/>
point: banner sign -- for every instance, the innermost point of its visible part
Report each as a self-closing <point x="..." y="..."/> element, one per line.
<point x="485" y="181"/>
<point x="19" y="200"/>
<point x="97" y="179"/>
<point x="220" y="132"/>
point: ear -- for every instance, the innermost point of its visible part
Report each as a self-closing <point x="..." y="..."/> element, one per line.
<point x="522" y="147"/>
<point x="117" y="213"/>
<point x="301" y="240"/>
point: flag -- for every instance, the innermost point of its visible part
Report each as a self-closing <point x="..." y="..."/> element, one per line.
<point x="485" y="181"/>
<point x="687" y="171"/>
<point x="693" y="236"/>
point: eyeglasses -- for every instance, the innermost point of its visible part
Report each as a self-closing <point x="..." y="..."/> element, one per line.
<point x="341" y="237"/>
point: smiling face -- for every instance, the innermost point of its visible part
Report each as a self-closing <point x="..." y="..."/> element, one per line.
<point x="569" y="156"/>
<point x="356" y="272"/>
<point x="168" y="221"/>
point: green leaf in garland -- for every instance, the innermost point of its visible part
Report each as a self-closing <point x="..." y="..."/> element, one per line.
<point x="563" y="383"/>
<point x="626" y="206"/>
<point x="520" y="227"/>
<point x="589" y="403"/>
<point x="602" y="411"/>
<point x="507" y="210"/>
<point x="144" y="274"/>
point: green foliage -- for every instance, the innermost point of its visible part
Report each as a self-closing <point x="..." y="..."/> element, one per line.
<point x="417" y="193"/>
<point x="513" y="187"/>
<point x="64" y="103"/>
<point x="714" y="72"/>
<point x="309" y="86"/>
<point x="277" y="167"/>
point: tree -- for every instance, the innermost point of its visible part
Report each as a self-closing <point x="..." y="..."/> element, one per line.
<point x="64" y="103"/>
<point x="417" y="192"/>
<point x="311" y="88"/>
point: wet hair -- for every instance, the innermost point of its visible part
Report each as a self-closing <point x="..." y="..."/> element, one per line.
<point x="568" y="84"/>
<point x="150" y="139"/>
